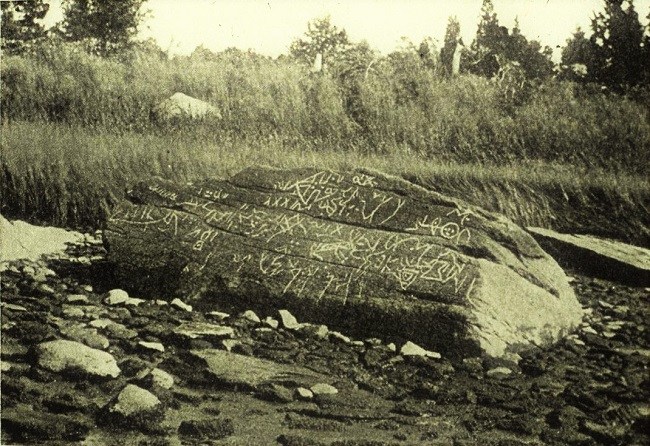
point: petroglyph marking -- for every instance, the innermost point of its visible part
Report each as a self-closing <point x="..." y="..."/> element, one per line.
<point x="463" y="214"/>
<point x="450" y="230"/>
<point x="271" y="265"/>
<point x="211" y="194"/>
<point x="364" y="180"/>
<point x="164" y="192"/>
<point x="241" y="260"/>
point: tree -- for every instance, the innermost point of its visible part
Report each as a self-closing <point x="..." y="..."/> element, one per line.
<point x="494" y="46"/>
<point x="21" y="23"/>
<point x="617" y="45"/>
<point x="452" y="38"/>
<point x="578" y="61"/>
<point x="428" y="52"/>
<point x="108" y="25"/>
<point x="321" y="38"/>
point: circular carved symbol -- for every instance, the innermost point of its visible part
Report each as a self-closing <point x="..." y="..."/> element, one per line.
<point x="450" y="230"/>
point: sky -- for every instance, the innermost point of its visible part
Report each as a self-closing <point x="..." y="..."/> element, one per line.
<point x="269" y="26"/>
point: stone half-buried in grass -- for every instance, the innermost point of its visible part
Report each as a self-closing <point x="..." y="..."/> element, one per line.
<point x="362" y="252"/>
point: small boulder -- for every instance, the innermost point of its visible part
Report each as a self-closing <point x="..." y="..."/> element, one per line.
<point x="116" y="297"/>
<point x="289" y="321"/>
<point x="180" y="107"/>
<point x="156" y="346"/>
<point x="498" y="372"/>
<point x="65" y="356"/>
<point x="251" y="316"/>
<point x="323" y="389"/>
<point x="412" y="349"/>
<point x="313" y="330"/>
<point x="77" y="299"/>
<point x="156" y="378"/>
<point x="177" y="303"/>
<point x="339" y="337"/>
<point x="271" y="322"/>
<point x="135" y="407"/>
<point x="194" y="330"/>
<point x="304" y="394"/>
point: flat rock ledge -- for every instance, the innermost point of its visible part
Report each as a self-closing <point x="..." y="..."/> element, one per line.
<point x="361" y="251"/>
<point x="606" y="259"/>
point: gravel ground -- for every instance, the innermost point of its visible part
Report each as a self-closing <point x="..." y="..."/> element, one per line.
<point x="133" y="374"/>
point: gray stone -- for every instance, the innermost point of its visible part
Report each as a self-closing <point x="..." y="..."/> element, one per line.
<point x="411" y="349"/>
<point x="323" y="389"/>
<point x="73" y="311"/>
<point x="120" y="331"/>
<point x="239" y="370"/>
<point x="340" y="337"/>
<point x="251" y="316"/>
<point x="288" y="320"/>
<point x="116" y="297"/>
<point x="12" y="307"/>
<point x="21" y="240"/>
<point x="597" y="257"/>
<point x="271" y="322"/>
<point x="194" y="330"/>
<point x="177" y="303"/>
<point x="77" y="299"/>
<point x="218" y="315"/>
<point x="229" y="344"/>
<point x="137" y="405"/>
<point x="155" y="378"/>
<point x="304" y="394"/>
<point x="498" y="372"/>
<point x="181" y="107"/>
<point x="101" y="323"/>
<point x="85" y="335"/>
<point x="316" y="330"/>
<point x="156" y="346"/>
<point x="337" y="247"/>
<point x="64" y="356"/>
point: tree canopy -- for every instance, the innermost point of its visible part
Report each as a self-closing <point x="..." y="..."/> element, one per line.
<point x="321" y="38"/>
<point x="109" y="26"/>
<point x="21" y="23"/>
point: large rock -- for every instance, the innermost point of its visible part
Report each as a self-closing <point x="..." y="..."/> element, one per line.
<point x="179" y="107"/>
<point x="20" y="240"/>
<point x="607" y="259"/>
<point x="363" y="251"/>
<point x="71" y="356"/>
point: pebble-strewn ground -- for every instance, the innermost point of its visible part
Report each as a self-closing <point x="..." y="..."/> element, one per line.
<point x="81" y="365"/>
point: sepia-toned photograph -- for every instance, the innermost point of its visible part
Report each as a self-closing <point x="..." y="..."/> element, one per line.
<point x="325" y="222"/>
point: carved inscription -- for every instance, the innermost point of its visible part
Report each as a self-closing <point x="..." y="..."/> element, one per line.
<point x="325" y="192"/>
<point x="304" y="253"/>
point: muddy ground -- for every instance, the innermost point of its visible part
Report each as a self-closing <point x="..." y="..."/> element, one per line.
<point x="591" y="389"/>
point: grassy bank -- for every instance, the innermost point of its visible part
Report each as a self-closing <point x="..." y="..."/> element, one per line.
<point x="397" y="105"/>
<point x="71" y="176"/>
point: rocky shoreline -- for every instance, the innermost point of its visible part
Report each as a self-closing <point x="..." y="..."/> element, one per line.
<point x="83" y="363"/>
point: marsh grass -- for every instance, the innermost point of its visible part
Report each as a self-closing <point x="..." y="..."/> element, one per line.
<point x="71" y="176"/>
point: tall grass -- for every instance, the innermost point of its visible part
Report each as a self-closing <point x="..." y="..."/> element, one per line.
<point x="77" y="132"/>
<point x="71" y="176"/>
<point x="396" y="105"/>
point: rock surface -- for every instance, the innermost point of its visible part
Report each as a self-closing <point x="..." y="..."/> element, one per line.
<point x="357" y="250"/>
<point x="238" y="370"/>
<point x="607" y="259"/>
<point x="180" y="106"/>
<point x="71" y="356"/>
<point x="590" y="389"/>
<point x="20" y="240"/>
